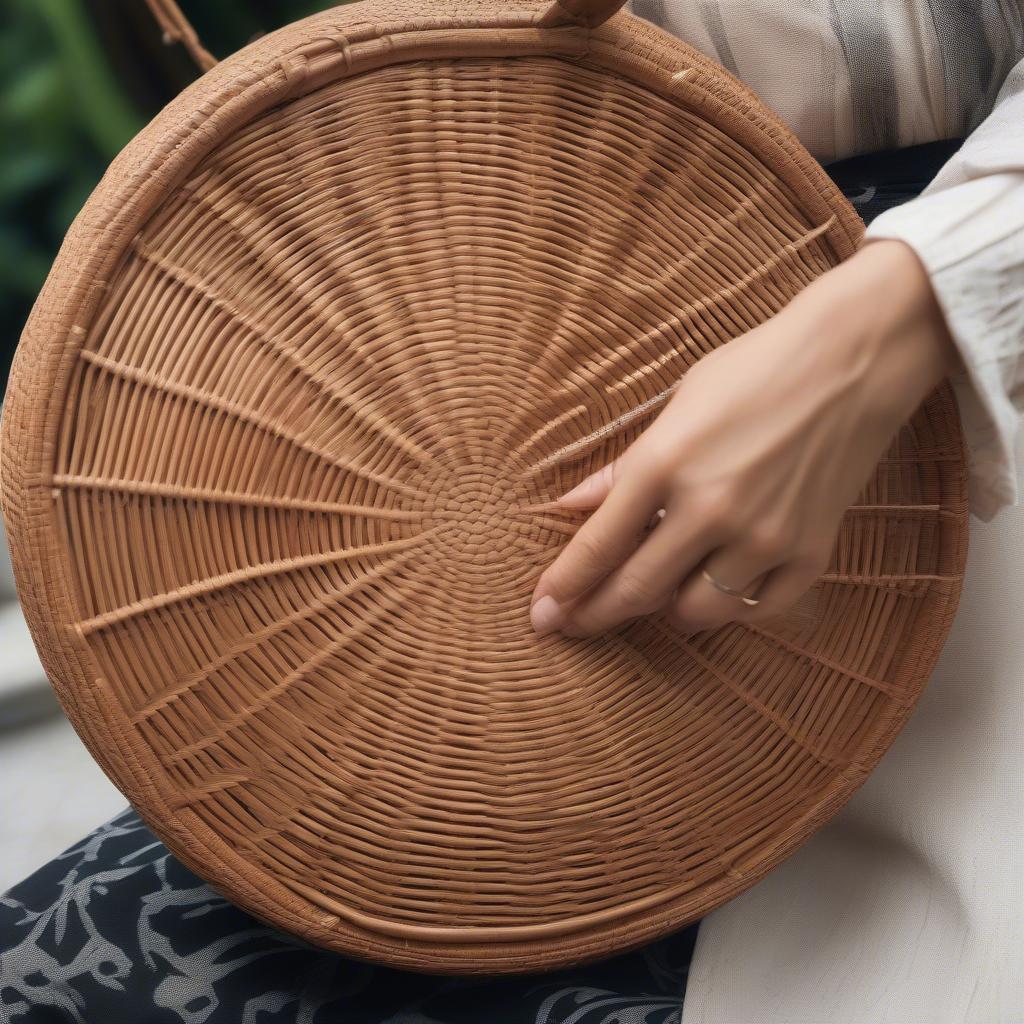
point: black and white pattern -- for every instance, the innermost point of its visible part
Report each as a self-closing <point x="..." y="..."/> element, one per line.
<point x="117" y="931"/>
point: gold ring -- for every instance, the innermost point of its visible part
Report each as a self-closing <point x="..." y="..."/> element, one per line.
<point x="726" y="589"/>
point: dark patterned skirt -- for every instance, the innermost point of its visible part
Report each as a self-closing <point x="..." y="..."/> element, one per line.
<point x="116" y="931"/>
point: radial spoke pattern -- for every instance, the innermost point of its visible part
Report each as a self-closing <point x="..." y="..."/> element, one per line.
<point x="305" y="481"/>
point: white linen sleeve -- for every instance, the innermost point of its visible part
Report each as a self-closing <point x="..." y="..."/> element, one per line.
<point x="967" y="227"/>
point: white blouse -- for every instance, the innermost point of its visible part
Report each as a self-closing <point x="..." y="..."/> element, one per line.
<point x="908" y="907"/>
<point x="854" y="76"/>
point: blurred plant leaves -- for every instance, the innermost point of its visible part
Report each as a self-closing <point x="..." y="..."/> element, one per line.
<point x="104" y="113"/>
<point x="62" y="118"/>
<point x="70" y="98"/>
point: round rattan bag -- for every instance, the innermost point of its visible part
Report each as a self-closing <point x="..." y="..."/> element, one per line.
<point x="280" y="448"/>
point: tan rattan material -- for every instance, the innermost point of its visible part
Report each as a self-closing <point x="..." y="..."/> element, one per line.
<point x="278" y="446"/>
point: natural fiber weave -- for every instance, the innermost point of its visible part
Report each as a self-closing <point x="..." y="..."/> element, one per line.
<point x="278" y="451"/>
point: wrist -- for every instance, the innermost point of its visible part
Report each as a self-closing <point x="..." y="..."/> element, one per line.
<point x="881" y="315"/>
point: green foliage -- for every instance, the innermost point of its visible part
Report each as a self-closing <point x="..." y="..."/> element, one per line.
<point x="66" y="110"/>
<point x="226" y="25"/>
<point x="62" y="118"/>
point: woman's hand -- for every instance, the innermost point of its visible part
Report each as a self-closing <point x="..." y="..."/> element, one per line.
<point x="764" y="444"/>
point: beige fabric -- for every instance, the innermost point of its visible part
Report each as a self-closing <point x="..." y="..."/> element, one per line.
<point x="853" y="76"/>
<point x="968" y="229"/>
<point x="909" y="907"/>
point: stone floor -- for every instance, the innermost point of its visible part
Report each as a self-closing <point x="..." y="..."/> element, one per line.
<point x="51" y="790"/>
<point x="51" y="793"/>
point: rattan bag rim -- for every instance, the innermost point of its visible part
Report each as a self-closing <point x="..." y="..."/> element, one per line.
<point x="277" y="68"/>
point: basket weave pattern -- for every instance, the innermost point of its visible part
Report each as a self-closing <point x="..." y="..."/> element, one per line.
<point x="280" y="450"/>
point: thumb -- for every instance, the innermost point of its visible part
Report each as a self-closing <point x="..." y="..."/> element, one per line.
<point x="592" y="490"/>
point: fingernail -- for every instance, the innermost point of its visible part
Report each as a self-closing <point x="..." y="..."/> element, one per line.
<point x="579" y="493"/>
<point x="546" y="615"/>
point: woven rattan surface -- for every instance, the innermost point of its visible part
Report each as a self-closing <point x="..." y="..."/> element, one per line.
<point x="278" y="449"/>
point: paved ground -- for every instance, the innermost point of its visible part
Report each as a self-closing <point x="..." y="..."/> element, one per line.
<point x="51" y="793"/>
<point x="51" y="790"/>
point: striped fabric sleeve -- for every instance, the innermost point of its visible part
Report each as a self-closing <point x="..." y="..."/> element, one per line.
<point x="967" y="228"/>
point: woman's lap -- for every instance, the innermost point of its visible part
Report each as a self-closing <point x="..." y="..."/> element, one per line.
<point x="117" y="930"/>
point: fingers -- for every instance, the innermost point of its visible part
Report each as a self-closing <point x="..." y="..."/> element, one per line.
<point x="699" y="604"/>
<point x="775" y="580"/>
<point x="783" y="588"/>
<point x="598" y="548"/>
<point x="610" y="573"/>
<point x="648" y="578"/>
<point x="592" y="490"/>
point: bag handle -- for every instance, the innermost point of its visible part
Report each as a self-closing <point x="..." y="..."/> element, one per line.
<point x="585" y="13"/>
<point x="177" y="29"/>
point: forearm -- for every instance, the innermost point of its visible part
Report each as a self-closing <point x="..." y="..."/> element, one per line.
<point x="967" y="229"/>
<point x="898" y="355"/>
